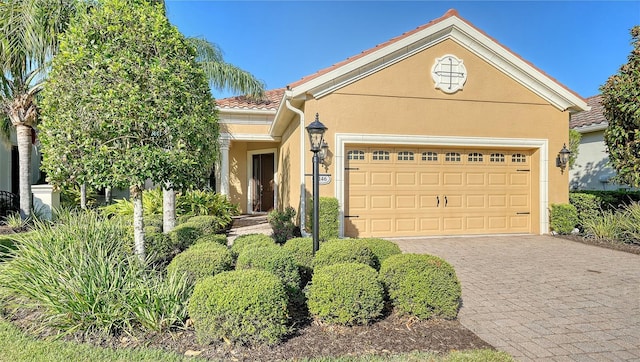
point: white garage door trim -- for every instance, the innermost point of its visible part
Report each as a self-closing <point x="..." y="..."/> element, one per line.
<point x="342" y="139"/>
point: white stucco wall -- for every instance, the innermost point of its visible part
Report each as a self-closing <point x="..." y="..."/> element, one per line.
<point x="591" y="170"/>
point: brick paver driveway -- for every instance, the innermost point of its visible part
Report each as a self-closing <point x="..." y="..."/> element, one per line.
<point x="543" y="298"/>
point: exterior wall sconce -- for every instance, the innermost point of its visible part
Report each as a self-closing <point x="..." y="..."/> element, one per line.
<point x="323" y="153"/>
<point x="319" y="148"/>
<point x="562" y="160"/>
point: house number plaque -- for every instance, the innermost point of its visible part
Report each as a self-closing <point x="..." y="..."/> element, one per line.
<point x="325" y="179"/>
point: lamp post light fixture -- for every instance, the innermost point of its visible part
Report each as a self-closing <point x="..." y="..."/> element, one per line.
<point x="563" y="158"/>
<point x="316" y="137"/>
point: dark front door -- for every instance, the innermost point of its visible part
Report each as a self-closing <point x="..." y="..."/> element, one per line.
<point x="263" y="182"/>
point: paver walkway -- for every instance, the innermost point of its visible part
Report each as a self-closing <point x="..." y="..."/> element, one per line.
<point x="543" y="298"/>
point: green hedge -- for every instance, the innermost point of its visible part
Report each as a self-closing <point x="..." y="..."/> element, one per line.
<point x="346" y="294"/>
<point x="612" y="200"/>
<point x="184" y="235"/>
<point x="563" y="218"/>
<point x="421" y="285"/>
<point x="381" y="248"/>
<point x="588" y="206"/>
<point x="302" y="251"/>
<point x="243" y="241"/>
<point x="208" y="224"/>
<point x="344" y="251"/>
<point x="274" y="259"/>
<point x="202" y="260"/>
<point x="212" y="238"/>
<point x="328" y="218"/>
<point x="242" y="306"/>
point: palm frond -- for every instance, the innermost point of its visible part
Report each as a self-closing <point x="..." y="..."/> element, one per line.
<point x="227" y="76"/>
<point x="206" y="51"/>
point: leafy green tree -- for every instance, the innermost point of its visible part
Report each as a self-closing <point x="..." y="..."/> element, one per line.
<point x="29" y="32"/>
<point x="127" y="102"/>
<point x="621" y="102"/>
<point x="574" y="144"/>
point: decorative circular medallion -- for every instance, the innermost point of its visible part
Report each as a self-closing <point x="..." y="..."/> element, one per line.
<point x="449" y="74"/>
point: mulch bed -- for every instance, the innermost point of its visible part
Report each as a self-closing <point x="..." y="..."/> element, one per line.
<point x="390" y="335"/>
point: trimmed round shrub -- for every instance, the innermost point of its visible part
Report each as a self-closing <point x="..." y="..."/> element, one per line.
<point x="241" y="306"/>
<point x="421" y="285"/>
<point x="202" y="260"/>
<point x="346" y="294"/>
<point x="563" y="218"/>
<point x="184" y="235"/>
<point x="212" y="238"/>
<point x="209" y="224"/>
<point x="344" y="251"/>
<point x="160" y="248"/>
<point x="274" y="259"/>
<point x="381" y="248"/>
<point x="302" y="250"/>
<point x="243" y="241"/>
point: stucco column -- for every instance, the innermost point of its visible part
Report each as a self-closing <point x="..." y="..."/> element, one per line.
<point x="224" y="166"/>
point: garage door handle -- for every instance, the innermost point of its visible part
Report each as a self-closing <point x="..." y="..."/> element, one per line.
<point x="438" y="199"/>
<point x="445" y="201"/>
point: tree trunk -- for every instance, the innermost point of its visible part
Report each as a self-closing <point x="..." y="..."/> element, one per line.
<point x="138" y="222"/>
<point x="83" y="196"/>
<point x="168" y="209"/>
<point x="107" y="196"/>
<point x="24" y="161"/>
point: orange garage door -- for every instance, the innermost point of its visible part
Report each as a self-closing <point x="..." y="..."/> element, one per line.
<point x="394" y="191"/>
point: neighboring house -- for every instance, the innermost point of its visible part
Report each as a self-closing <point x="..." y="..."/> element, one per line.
<point x="9" y="164"/>
<point x="591" y="170"/>
<point x="441" y="130"/>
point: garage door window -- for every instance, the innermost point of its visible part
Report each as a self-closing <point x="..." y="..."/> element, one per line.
<point x="405" y="156"/>
<point x="475" y="157"/>
<point x="429" y="156"/>
<point x="452" y="157"/>
<point x="497" y="158"/>
<point x="518" y="158"/>
<point x="355" y="155"/>
<point x="380" y="156"/>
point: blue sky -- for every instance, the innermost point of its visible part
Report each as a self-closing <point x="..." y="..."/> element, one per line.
<point x="579" y="43"/>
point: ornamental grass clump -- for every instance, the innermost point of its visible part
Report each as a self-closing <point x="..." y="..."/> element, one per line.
<point x="346" y="294"/>
<point x="273" y="259"/>
<point x="246" y="307"/>
<point x="202" y="260"/>
<point x="421" y="285"/>
<point x="344" y="251"/>
<point x="80" y="275"/>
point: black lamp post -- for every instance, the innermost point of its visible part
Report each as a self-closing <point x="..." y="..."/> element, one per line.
<point x="316" y="137"/>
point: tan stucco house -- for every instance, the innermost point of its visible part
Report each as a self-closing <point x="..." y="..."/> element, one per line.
<point x="439" y="131"/>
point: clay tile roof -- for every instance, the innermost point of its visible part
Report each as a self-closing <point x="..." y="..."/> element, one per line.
<point x="270" y="102"/>
<point x="589" y="118"/>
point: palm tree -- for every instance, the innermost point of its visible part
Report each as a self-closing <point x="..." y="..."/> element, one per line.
<point x="28" y="40"/>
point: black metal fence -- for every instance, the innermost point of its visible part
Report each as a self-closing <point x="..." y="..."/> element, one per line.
<point x="9" y="203"/>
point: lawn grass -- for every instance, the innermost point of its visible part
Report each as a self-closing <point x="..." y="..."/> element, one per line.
<point x="15" y="346"/>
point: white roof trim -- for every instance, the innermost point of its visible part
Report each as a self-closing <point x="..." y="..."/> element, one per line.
<point x="245" y="111"/>
<point x="592" y="127"/>
<point x="249" y="137"/>
<point x="464" y="34"/>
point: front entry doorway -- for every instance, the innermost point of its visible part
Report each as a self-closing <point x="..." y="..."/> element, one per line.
<point x="263" y="183"/>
